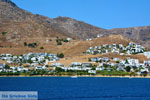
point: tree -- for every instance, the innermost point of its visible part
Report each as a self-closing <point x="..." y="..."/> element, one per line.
<point x="57" y="40"/>
<point x="145" y="73"/>
<point x="126" y="62"/>
<point x="41" y="47"/>
<point x="59" y="69"/>
<point x="105" y="66"/>
<point x="35" y="44"/>
<point x="59" y="43"/>
<point x="46" y="66"/>
<point x="65" y="40"/>
<point x="7" y="67"/>
<point x="93" y="68"/>
<point x="25" y="44"/>
<point x="60" y="55"/>
<point x="89" y="59"/>
<point x="26" y="66"/>
<point x="4" y="33"/>
<point x="31" y="45"/>
<point x="117" y="62"/>
<point x="29" y="61"/>
<point x="128" y="68"/>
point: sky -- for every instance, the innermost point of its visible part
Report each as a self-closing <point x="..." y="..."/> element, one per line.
<point x="106" y="14"/>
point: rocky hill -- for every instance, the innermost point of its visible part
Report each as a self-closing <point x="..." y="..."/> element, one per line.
<point x="78" y="29"/>
<point x="138" y="34"/>
<point x="19" y="24"/>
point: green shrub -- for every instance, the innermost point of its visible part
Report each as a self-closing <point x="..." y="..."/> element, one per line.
<point x="41" y="47"/>
<point x="128" y="68"/>
<point x="25" y="44"/>
<point x="89" y="59"/>
<point x="60" y="55"/>
<point x="4" y="33"/>
<point x="7" y="67"/>
<point x="65" y="40"/>
<point x="29" y="61"/>
<point x="33" y="45"/>
<point x="26" y="66"/>
<point x="117" y="62"/>
<point x="59" y="43"/>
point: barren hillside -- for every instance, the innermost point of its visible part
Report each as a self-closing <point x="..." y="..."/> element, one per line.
<point x="18" y="26"/>
<point x="140" y="35"/>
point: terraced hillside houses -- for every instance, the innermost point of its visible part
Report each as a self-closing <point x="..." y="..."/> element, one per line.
<point x="131" y="48"/>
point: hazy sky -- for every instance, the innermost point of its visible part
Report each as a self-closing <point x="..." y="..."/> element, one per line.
<point x="102" y="13"/>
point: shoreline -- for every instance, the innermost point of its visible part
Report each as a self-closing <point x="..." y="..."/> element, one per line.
<point x="102" y="76"/>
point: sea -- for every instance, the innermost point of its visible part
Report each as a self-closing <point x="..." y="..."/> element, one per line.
<point x="81" y="88"/>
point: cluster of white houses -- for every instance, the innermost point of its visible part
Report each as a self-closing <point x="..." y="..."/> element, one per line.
<point x="108" y="64"/>
<point x="40" y="61"/>
<point x="37" y="60"/>
<point x="34" y="58"/>
<point x="116" y="48"/>
<point x="103" y="63"/>
<point x="78" y="66"/>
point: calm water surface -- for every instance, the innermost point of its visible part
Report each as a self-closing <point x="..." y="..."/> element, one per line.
<point x="83" y="88"/>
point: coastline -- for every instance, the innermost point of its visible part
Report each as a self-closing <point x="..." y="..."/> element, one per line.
<point x="103" y="76"/>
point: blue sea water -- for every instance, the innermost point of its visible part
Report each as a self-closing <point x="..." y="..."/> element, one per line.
<point x="83" y="88"/>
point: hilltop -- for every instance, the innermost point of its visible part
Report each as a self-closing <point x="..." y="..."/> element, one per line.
<point x="20" y="24"/>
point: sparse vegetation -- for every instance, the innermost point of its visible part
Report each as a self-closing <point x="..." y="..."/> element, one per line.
<point x="4" y="33"/>
<point x="65" y="40"/>
<point x="29" y="61"/>
<point x="25" y="44"/>
<point x="7" y="67"/>
<point x="26" y="66"/>
<point x="32" y="45"/>
<point x="128" y="68"/>
<point x="118" y="62"/>
<point x="59" y="41"/>
<point x="110" y="73"/>
<point x="60" y="55"/>
<point x="89" y="59"/>
<point x="41" y="47"/>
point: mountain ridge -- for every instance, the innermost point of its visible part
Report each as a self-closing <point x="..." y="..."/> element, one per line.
<point x="21" y="25"/>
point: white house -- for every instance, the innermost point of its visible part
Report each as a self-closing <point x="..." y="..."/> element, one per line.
<point x="100" y="68"/>
<point x="99" y="35"/>
<point x="92" y="71"/>
<point x="41" y="58"/>
<point x="69" y="39"/>
<point x="76" y="63"/>
<point x="57" y="64"/>
<point x="2" y="66"/>
<point x="115" y="59"/>
<point x="147" y="54"/>
<point x="40" y="67"/>
<point x="133" y="62"/>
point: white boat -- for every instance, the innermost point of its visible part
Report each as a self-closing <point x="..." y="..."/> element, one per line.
<point x="74" y="76"/>
<point x="130" y="77"/>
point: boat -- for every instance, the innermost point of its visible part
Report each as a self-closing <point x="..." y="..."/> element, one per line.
<point x="130" y="77"/>
<point x="74" y="76"/>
